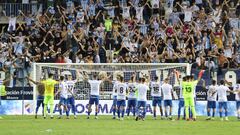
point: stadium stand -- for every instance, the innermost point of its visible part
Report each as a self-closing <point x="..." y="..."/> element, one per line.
<point x="204" y="33"/>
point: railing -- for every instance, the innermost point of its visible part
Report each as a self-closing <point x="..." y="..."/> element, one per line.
<point x="13" y="8"/>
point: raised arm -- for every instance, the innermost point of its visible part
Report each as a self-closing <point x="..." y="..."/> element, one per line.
<point x="35" y="82"/>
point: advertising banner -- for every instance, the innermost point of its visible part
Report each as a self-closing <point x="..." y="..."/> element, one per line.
<point x="19" y="93"/>
<point x="14" y="107"/>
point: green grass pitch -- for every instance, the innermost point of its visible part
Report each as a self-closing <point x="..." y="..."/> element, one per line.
<point x="105" y="125"/>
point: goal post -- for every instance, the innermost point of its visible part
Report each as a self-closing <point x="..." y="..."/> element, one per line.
<point x="82" y="88"/>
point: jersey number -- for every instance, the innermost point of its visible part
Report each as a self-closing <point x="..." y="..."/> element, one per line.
<point x="121" y="90"/>
<point x="188" y="89"/>
<point x="131" y="89"/>
<point x="156" y="89"/>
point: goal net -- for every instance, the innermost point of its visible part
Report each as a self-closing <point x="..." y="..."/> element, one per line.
<point x="82" y="87"/>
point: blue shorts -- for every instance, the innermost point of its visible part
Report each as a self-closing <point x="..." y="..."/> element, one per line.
<point x="181" y="102"/>
<point x="94" y="100"/>
<point x="141" y="104"/>
<point x="238" y="104"/>
<point x="222" y="105"/>
<point x="63" y="101"/>
<point x="132" y="103"/>
<point x="168" y="103"/>
<point x="211" y="104"/>
<point x="121" y="103"/>
<point x="71" y="101"/>
<point x="40" y="100"/>
<point x="114" y="101"/>
<point x="156" y="101"/>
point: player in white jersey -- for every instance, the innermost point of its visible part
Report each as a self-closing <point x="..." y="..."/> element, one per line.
<point x="211" y="100"/>
<point x="167" y="91"/>
<point x="181" y="100"/>
<point x="62" y="89"/>
<point x="236" y="91"/>
<point x="121" y="97"/>
<point x="156" y="94"/>
<point x="132" y="97"/>
<point x="222" y="99"/>
<point x="70" y="84"/>
<point x="94" y="95"/>
<point x="142" y="98"/>
<point x="114" y="94"/>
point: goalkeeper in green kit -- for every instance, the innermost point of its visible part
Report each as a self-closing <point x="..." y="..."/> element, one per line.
<point x="188" y="94"/>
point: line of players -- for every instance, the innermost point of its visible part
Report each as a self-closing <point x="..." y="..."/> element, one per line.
<point x="136" y="93"/>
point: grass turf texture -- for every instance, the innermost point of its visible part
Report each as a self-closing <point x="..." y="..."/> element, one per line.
<point x="105" y="125"/>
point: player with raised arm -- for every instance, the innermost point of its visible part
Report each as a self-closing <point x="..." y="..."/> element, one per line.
<point x="49" y="85"/>
<point x="211" y="100"/>
<point x="156" y="94"/>
<point x="121" y="97"/>
<point x="94" y="95"/>
<point x="40" y="97"/>
<point x="188" y="95"/>
<point x="70" y="83"/>
<point x="236" y="90"/>
<point x="222" y="99"/>
<point x="167" y="91"/>
<point x="114" y="94"/>
<point x="142" y="98"/>
<point x="132" y="98"/>
<point x="181" y="99"/>
<point x="63" y="90"/>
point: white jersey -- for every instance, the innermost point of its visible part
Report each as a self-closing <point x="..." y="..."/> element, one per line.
<point x="63" y="90"/>
<point x="167" y="91"/>
<point x="132" y="91"/>
<point x="181" y="90"/>
<point x="155" y="3"/>
<point x="121" y="91"/>
<point x="70" y="87"/>
<point x="212" y="93"/>
<point x="126" y="13"/>
<point x="139" y="15"/>
<point x="222" y="93"/>
<point x="12" y="23"/>
<point x="237" y="88"/>
<point x="155" y="89"/>
<point x="142" y="92"/>
<point x="114" y="93"/>
<point x="95" y="86"/>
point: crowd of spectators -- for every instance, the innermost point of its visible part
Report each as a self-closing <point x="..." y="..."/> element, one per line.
<point x="205" y="33"/>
